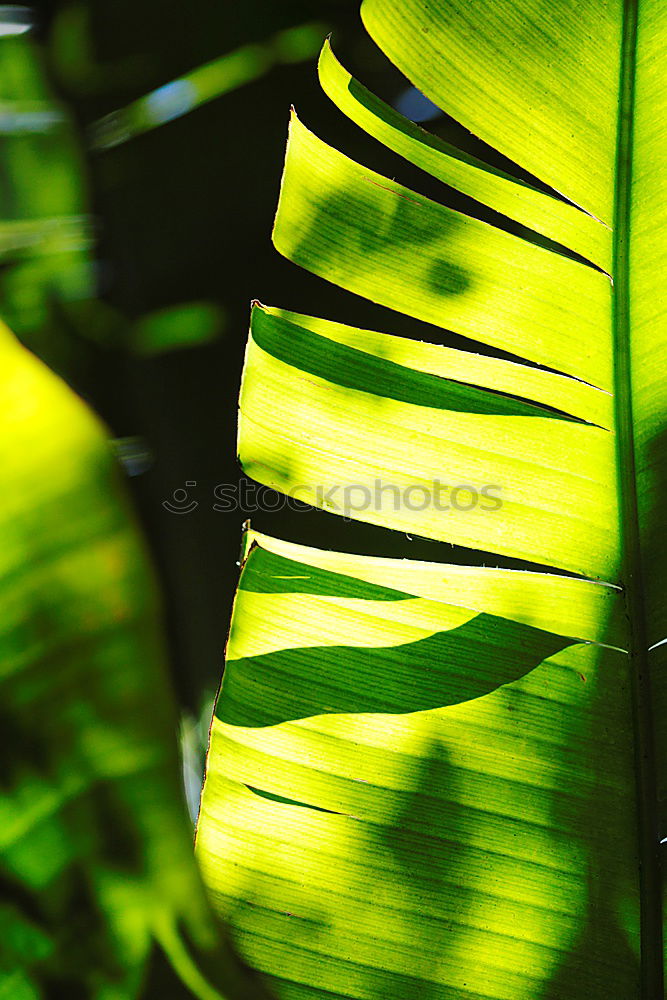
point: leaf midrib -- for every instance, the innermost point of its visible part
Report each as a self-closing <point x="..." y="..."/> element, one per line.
<point x="631" y="556"/>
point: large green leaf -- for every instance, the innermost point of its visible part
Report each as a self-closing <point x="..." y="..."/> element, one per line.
<point x="451" y="784"/>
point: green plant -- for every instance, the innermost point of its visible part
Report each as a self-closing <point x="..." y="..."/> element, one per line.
<point x="424" y="780"/>
<point x="444" y="781"/>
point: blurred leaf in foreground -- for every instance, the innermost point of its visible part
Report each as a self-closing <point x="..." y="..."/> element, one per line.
<point x="96" y="862"/>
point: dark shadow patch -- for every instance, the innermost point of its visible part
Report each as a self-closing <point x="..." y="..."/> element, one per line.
<point x="444" y="669"/>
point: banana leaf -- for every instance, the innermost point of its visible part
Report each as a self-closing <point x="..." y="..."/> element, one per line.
<point x="447" y="781"/>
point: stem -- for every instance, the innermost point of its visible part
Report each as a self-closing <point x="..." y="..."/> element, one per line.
<point x="631" y="568"/>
